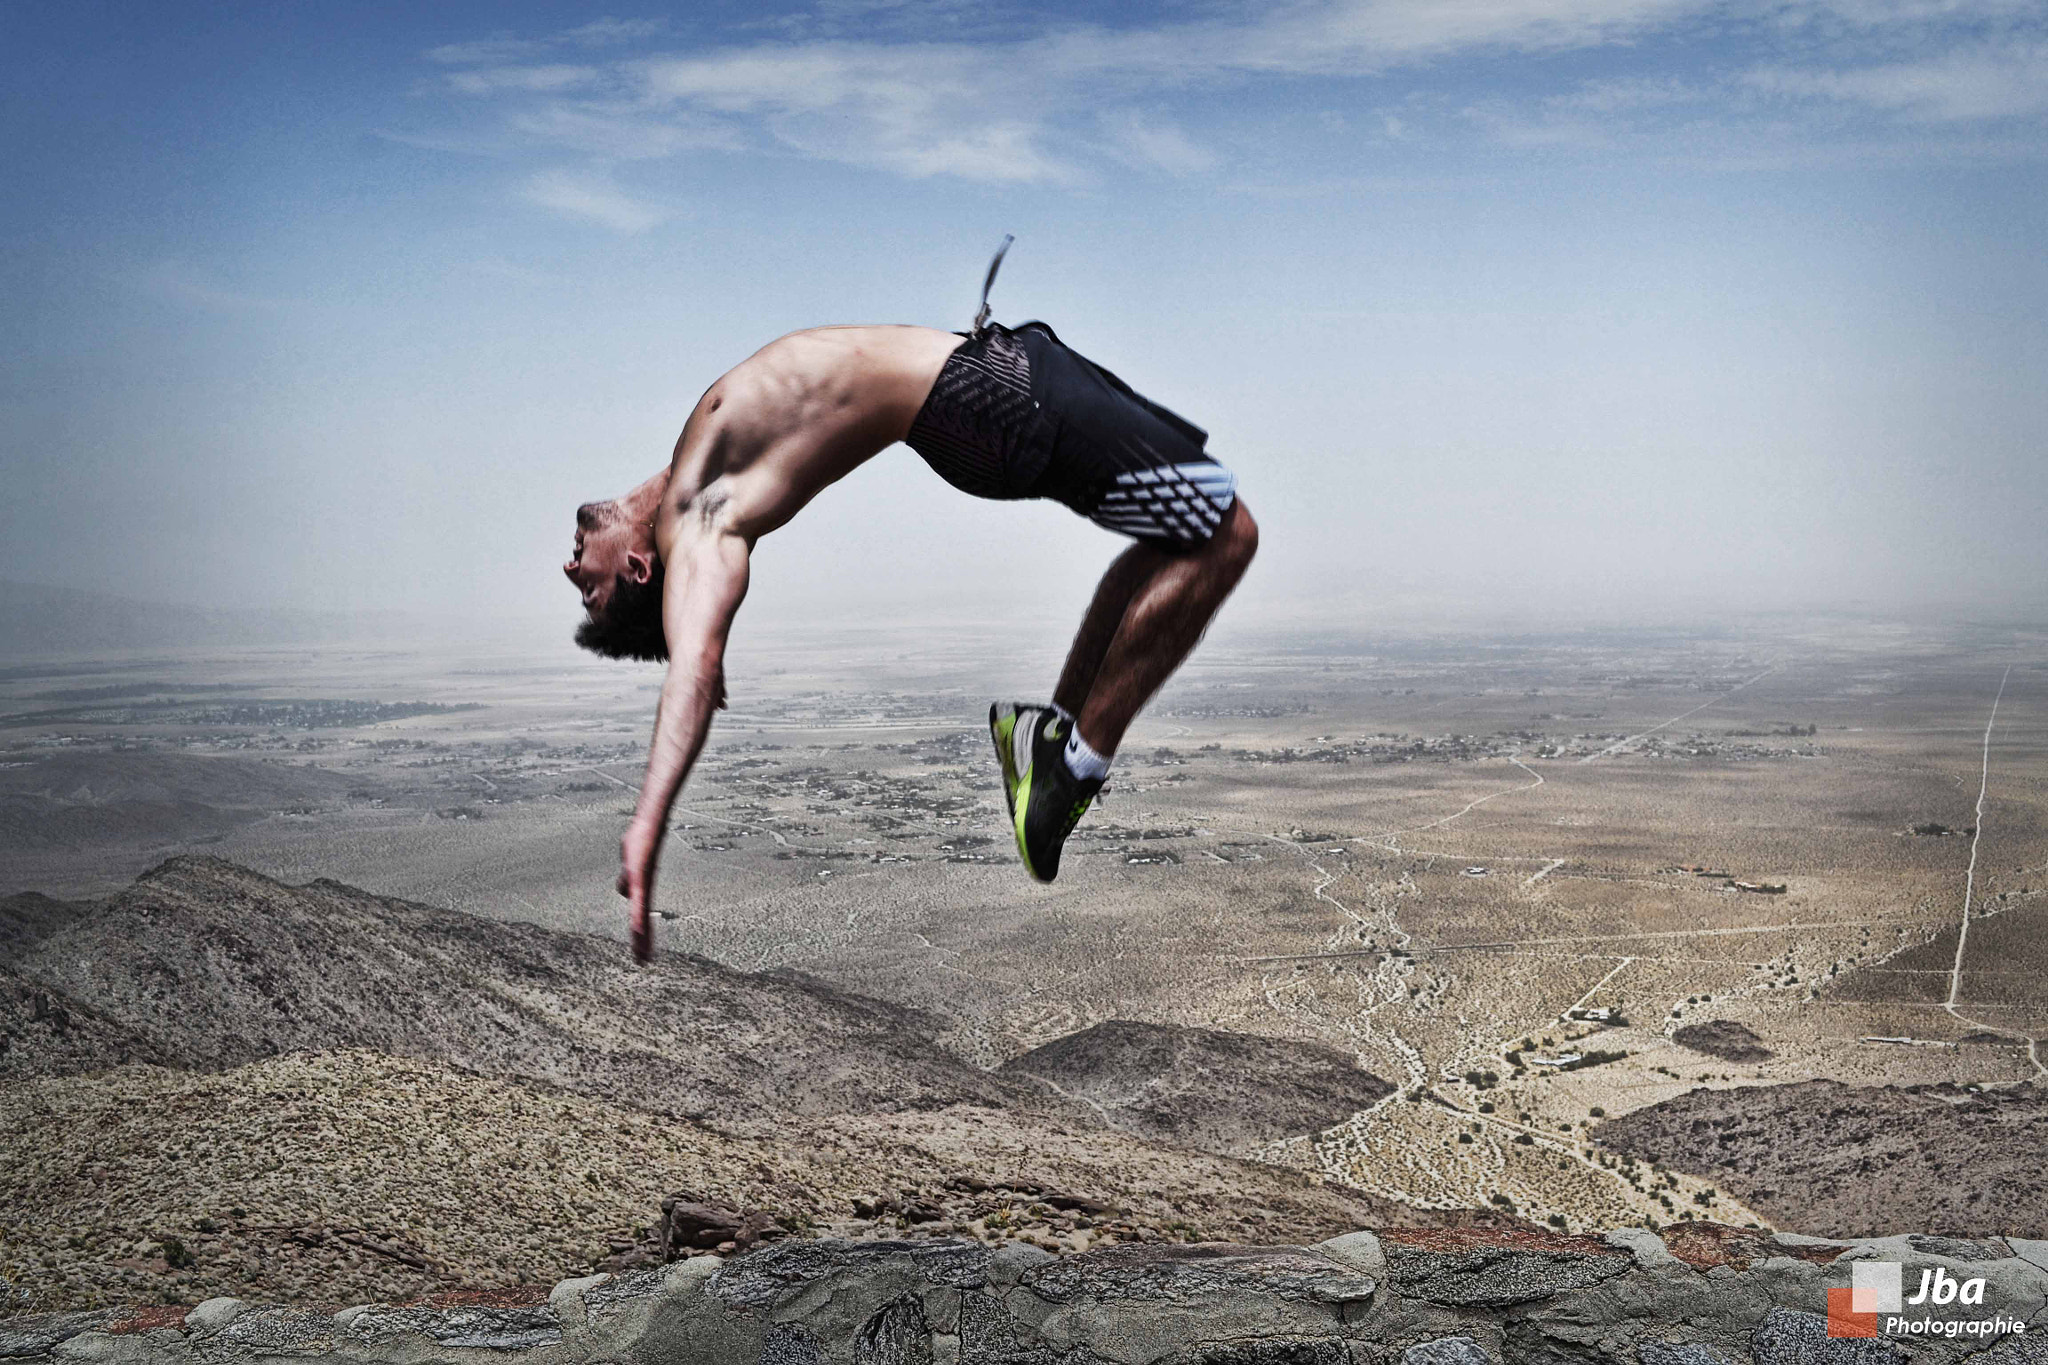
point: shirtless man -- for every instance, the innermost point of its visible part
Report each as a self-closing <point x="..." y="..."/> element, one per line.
<point x="999" y="413"/>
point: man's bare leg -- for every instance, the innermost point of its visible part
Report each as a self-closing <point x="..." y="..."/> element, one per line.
<point x="1148" y="613"/>
<point x="1131" y="571"/>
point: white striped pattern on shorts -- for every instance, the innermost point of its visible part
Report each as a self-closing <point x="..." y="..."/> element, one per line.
<point x="1178" y="502"/>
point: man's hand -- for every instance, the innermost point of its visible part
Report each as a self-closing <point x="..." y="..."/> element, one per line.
<point x="639" y="851"/>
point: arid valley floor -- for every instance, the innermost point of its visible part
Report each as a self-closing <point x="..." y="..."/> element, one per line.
<point x="1630" y="926"/>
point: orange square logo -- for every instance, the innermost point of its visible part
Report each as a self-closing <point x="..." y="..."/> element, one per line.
<point x="1844" y="1320"/>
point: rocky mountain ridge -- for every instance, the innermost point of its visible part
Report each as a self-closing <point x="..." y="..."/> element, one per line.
<point x="212" y="966"/>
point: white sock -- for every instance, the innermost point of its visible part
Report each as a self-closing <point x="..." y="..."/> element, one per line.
<point x="1082" y="760"/>
<point x="1063" y="713"/>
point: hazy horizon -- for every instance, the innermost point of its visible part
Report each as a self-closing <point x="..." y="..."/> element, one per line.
<point x="1628" y="309"/>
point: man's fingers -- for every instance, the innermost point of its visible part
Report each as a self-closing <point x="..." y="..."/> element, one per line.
<point x="641" y="925"/>
<point x="638" y="890"/>
<point x="636" y="884"/>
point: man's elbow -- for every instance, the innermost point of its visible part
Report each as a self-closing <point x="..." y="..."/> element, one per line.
<point x="707" y="676"/>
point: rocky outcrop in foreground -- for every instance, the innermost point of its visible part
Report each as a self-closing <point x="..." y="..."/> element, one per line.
<point x="1700" y="1295"/>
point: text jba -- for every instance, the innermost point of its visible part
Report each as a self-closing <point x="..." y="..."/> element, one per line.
<point x="1939" y="1287"/>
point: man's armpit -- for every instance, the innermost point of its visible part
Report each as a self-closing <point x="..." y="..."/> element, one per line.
<point x="707" y="509"/>
<point x="703" y="510"/>
<point x="692" y="518"/>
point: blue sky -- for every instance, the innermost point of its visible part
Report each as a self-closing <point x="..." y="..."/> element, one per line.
<point x="1624" y="304"/>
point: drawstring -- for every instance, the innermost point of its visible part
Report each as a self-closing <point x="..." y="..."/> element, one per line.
<point x="995" y="264"/>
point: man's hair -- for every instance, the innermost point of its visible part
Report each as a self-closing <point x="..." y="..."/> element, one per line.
<point x="629" y="627"/>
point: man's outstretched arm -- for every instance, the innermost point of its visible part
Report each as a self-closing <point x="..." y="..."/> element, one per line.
<point x="705" y="581"/>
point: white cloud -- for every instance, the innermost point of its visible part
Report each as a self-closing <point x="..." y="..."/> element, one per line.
<point x="1630" y="92"/>
<point x="1364" y="35"/>
<point x="503" y="48"/>
<point x="997" y="153"/>
<point x="620" y="131"/>
<point x="581" y="196"/>
<point x="1148" y="141"/>
<point x="1891" y="13"/>
<point x="994" y="110"/>
<point x="902" y="106"/>
<point x="604" y="32"/>
<point x="483" y="50"/>
<point x="921" y="111"/>
<point x="537" y="79"/>
<point x="1053" y="104"/>
<point x="815" y="76"/>
<point x="1980" y="83"/>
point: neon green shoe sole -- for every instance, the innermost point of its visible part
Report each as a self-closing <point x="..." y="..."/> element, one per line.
<point x="1013" y="727"/>
<point x="1018" y="813"/>
<point x="1002" y="729"/>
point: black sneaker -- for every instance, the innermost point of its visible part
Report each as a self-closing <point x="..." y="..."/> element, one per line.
<point x="1046" y="801"/>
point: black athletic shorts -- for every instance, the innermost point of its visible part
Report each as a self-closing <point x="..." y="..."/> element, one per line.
<point x="1016" y="414"/>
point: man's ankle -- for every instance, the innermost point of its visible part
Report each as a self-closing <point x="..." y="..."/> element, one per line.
<point x="1082" y="759"/>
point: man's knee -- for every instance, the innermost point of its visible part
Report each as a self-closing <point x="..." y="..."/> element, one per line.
<point x="1239" y="535"/>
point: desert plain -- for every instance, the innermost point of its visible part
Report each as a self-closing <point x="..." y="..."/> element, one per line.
<point x="1617" y="925"/>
